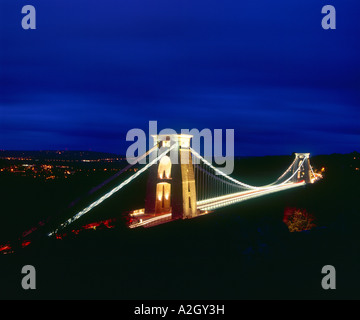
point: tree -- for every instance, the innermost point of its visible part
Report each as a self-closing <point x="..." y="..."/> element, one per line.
<point x="298" y="220"/>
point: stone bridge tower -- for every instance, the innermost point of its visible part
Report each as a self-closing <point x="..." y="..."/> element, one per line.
<point x="305" y="172"/>
<point x="171" y="182"/>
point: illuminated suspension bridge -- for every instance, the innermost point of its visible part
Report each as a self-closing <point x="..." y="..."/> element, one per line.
<point x="183" y="184"/>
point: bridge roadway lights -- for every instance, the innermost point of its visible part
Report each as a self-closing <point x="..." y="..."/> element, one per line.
<point x="171" y="186"/>
<point x="223" y="201"/>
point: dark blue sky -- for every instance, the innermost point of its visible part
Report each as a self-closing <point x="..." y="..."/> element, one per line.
<point x="92" y="70"/>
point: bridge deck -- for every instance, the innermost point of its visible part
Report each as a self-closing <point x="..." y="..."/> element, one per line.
<point x="149" y="220"/>
<point x="222" y="201"/>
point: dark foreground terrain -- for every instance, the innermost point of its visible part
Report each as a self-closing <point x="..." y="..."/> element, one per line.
<point x="244" y="251"/>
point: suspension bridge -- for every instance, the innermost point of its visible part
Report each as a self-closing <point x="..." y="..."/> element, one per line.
<point x="182" y="184"/>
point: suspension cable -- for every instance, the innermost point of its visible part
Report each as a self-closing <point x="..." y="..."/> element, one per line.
<point x="110" y="193"/>
<point x="244" y="185"/>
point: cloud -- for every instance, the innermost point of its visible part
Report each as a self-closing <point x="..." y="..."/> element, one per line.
<point x="92" y="72"/>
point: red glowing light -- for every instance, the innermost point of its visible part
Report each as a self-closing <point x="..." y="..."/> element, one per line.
<point x="109" y="224"/>
<point x="25" y="243"/>
<point x="5" y="247"/>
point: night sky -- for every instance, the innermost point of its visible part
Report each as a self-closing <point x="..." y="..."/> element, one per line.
<point x="92" y="70"/>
